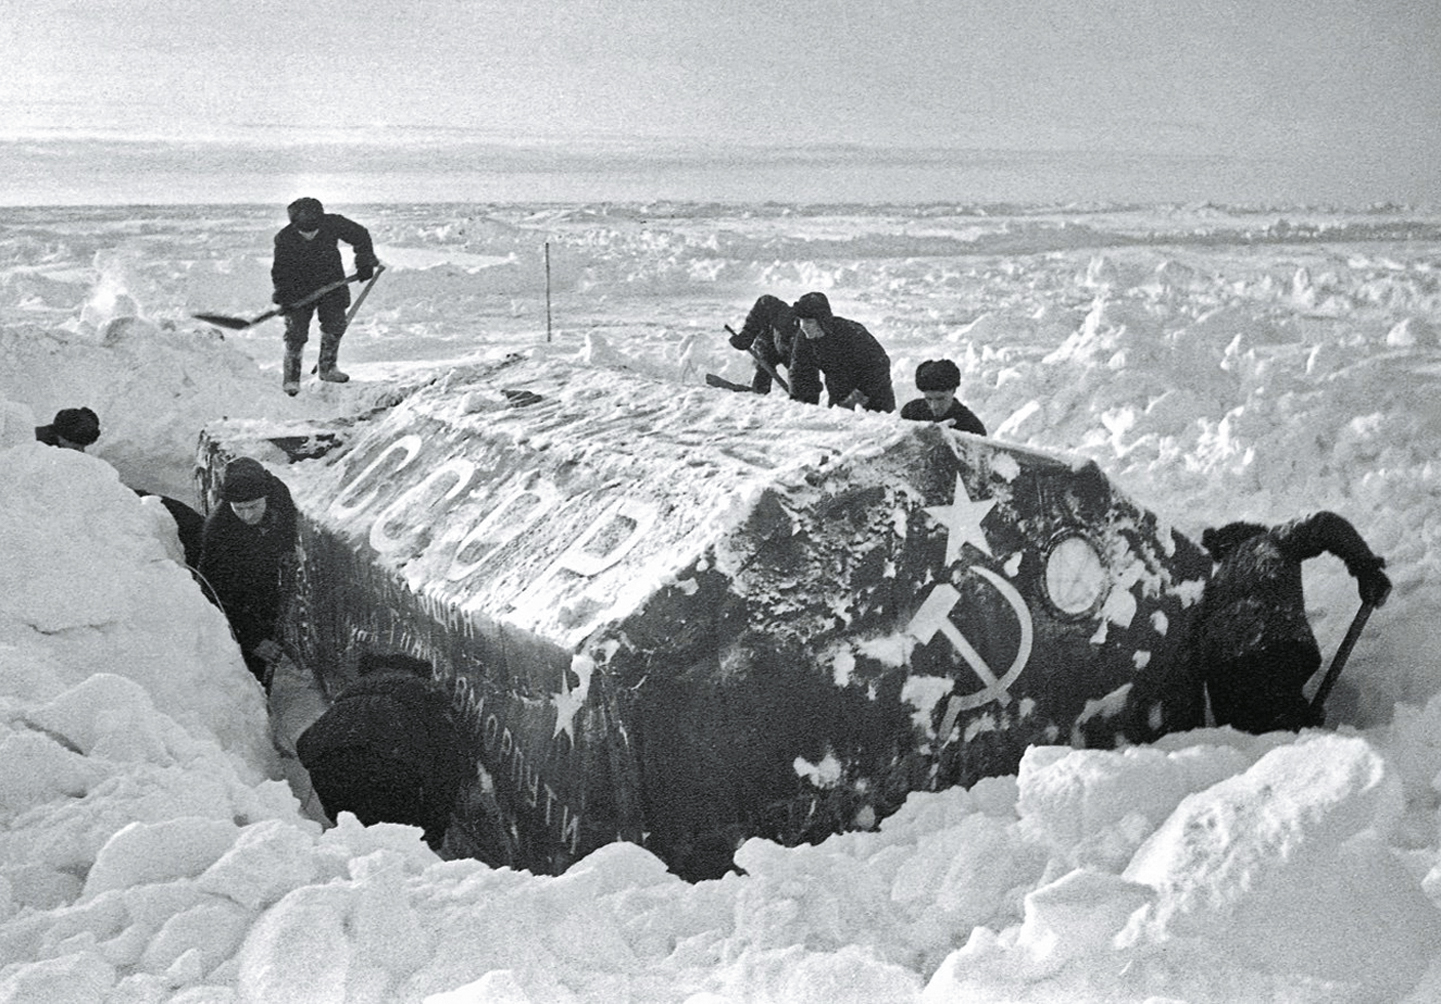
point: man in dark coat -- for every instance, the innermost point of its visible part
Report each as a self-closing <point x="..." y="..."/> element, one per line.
<point x="71" y="429"/>
<point x="247" y="557"/>
<point x="389" y="749"/>
<point x="307" y="257"/>
<point x="857" y="370"/>
<point x="937" y="380"/>
<point x="1252" y="644"/>
<point x="770" y="333"/>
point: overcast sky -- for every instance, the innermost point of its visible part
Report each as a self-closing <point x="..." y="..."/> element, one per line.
<point x="1344" y="86"/>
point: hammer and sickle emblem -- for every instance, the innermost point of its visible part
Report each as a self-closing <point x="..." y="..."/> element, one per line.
<point x="934" y="617"/>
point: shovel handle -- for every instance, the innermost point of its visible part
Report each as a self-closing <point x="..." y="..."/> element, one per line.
<point x="1358" y="623"/>
<point x="308" y="298"/>
<point x="240" y="323"/>
<point x="364" y="292"/>
<point x="754" y="354"/>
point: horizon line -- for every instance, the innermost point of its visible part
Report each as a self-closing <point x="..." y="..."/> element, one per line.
<point x="399" y="138"/>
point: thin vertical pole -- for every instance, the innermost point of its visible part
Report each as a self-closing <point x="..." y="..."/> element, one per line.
<point x="547" y="291"/>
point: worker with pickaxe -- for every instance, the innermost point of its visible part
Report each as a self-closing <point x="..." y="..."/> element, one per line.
<point x="1252" y="645"/>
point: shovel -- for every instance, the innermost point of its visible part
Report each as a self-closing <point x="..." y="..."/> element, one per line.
<point x="240" y="323"/>
<point x="364" y="292"/>
<point x="1342" y="654"/>
<point x="755" y="354"/>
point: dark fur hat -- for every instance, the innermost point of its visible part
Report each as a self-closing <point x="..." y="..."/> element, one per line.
<point x="392" y="662"/>
<point x="937" y="374"/>
<point x="80" y="426"/>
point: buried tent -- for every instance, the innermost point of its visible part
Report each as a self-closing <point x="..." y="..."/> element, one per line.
<point x="675" y="635"/>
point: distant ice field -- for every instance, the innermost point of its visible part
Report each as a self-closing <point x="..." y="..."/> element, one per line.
<point x="366" y="168"/>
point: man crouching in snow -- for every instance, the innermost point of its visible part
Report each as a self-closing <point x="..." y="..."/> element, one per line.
<point x="389" y="749"/>
<point x="857" y="370"/>
<point x="1251" y="641"/>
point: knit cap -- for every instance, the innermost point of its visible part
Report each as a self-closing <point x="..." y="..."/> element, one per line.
<point x="245" y="481"/>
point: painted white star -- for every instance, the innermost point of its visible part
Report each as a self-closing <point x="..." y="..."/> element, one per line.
<point x="569" y="701"/>
<point x="962" y="519"/>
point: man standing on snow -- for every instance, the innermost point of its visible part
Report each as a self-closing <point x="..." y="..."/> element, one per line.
<point x="247" y="558"/>
<point x="857" y="370"/>
<point x="1253" y="647"/>
<point x="306" y="258"/>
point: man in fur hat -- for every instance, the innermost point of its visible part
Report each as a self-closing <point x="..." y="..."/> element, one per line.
<point x="937" y="380"/>
<point x="71" y="429"/>
<point x="389" y="749"/>
<point x="307" y="257"/>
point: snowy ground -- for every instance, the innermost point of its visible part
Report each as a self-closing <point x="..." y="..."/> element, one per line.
<point x="1217" y="363"/>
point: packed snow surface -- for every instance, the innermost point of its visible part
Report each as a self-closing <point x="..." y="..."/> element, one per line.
<point x="1217" y="363"/>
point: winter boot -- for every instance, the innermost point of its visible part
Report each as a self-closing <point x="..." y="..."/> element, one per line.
<point x="329" y="349"/>
<point x="291" y="381"/>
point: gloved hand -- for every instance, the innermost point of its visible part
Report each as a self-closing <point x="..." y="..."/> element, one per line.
<point x="1372" y="583"/>
<point x="276" y="298"/>
<point x="365" y="272"/>
<point x="740" y="341"/>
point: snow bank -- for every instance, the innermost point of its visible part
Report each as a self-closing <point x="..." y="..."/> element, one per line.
<point x="87" y="586"/>
<point x="1274" y="862"/>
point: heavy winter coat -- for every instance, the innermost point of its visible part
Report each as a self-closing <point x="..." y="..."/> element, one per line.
<point x="957" y="416"/>
<point x="1252" y="644"/>
<point x="302" y="266"/>
<point x="389" y="750"/>
<point x="851" y="359"/>
<point x="250" y="568"/>
<point x="770" y="333"/>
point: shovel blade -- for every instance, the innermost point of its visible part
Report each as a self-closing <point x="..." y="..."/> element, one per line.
<point x="220" y="320"/>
